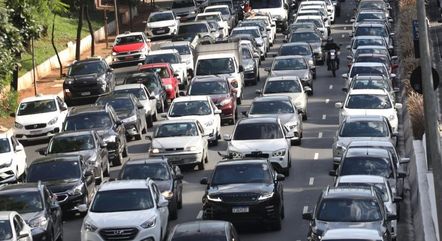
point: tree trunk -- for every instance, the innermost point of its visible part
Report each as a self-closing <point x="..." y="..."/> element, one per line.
<point x="55" y="47"/>
<point x="79" y="27"/>
<point x="91" y="31"/>
<point x="130" y="16"/>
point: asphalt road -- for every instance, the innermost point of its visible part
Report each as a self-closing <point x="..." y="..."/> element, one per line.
<point x="310" y="162"/>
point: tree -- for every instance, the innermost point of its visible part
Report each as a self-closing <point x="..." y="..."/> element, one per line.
<point x="79" y="27"/>
<point x="57" y="8"/>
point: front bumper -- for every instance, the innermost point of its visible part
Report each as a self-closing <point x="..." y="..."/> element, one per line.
<point x="161" y="31"/>
<point x="85" y="92"/>
<point x="70" y="202"/>
<point x="181" y="158"/>
<point x="128" y="57"/>
<point x="278" y="162"/>
<point x="140" y="234"/>
<point x="250" y="76"/>
<point x="36" y="134"/>
<point x="39" y="234"/>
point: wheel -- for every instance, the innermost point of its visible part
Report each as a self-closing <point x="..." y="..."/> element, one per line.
<point x="149" y="121"/>
<point x="117" y="160"/>
<point x="173" y="210"/>
<point x="238" y="100"/>
<point x="125" y="151"/>
<point x="106" y="172"/>
<point x="201" y="164"/>
<point x="304" y="116"/>
<point x="180" y="202"/>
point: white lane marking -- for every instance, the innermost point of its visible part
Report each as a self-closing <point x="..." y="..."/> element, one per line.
<point x="327" y="100"/>
<point x="345" y="28"/>
<point x="320" y="135"/>
<point x="316" y="156"/>
<point x="330" y="87"/>
<point x="305" y="209"/>
<point x="343" y="36"/>
<point x="200" y="215"/>
<point x="324" y="117"/>
<point x="311" y="181"/>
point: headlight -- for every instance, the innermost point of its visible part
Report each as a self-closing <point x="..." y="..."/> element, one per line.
<point x="89" y="227"/>
<point x="213" y="199"/>
<point x="235" y="154"/>
<point x="191" y="148"/>
<point x="130" y="119"/>
<point x="168" y="87"/>
<point x="265" y="196"/>
<point x="53" y="121"/>
<point x="76" y="190"/>
<point x="155" y="150"/>
<point x="149" y="223"/>
<point x="209" y="123"/>
<point x="114" y="53"/>
<point x="39" y="222"/>
<point x="110" y="138"/>
<point x="69" y="81"/>
<point x="225" y="102"/>
<point x="6" y="164"/>
<point x="18" y="125"/>
<point x="291" y="125"/>
<point x="144" y="49"/>
<point x="280" y="152"/>
<point x="102" y="79"/>
<point x="310" y="62"/>
<point x="167" y="194"/>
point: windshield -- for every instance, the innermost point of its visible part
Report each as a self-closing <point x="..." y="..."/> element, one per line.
<point x="145" y="79"/>
<point x="5" y="230"/>
<point x="371" y="31"/>
<point x="379" y="187"/>
<point x="368" y="102"/>
<point x="308" y="37"/>
<point x="271" y="107"/>
<point x="209" y="88"/>
<point x="131" y="39"/>
<point x="378" y="5"/>
<point x="4" y="145"/>
<point x="85" y="68"/>
<point x="382" y="51"/>
<point x="213" y="17"/>
<point x="183" y="4"/>
<point x="161" y="58"/>
<point x="54" y="170"/>
<point x="223" y="10"/>
<point x="88" y="121"/>
<point x="155" y="171"/>
<point x="193" y="28"/>
<point x="289" y="64"/>
<point x="257" y="4"/>
<point x="317" y="22"/>
<point x="215" y="66"/>
<point x="262" y="28"/>
<point x="119" y="104"/>
<point x="294" y="50"/>
<point x="368" y="41"/>
<point x="160" y="17"/>
<point x="295" y="26"/>
<point x="369" y="84"/>
<point x="282" y="86"/>
<point x="176" y="129"/>
<point x="372" y="59"/>
<point x="63" y="144"/>
<point x="256" y="131"/>
<point x="21" y="202"/>
<point x="364" y="129"/>
<point x="368" y="70"/>
<point x="37" y="107"/>
<point x="370" y="16"/>
<point x="137" y="92"/>
<point x="253" y="32"/>
<point x="366" y="165"/>
<point x="182" y="49"/>
<point x="122" y="200"/>
<point x="162" y="71"/>
<point x="245" y="173"/>
<point x="186" y="108"/>
<point x="349" y="210"/>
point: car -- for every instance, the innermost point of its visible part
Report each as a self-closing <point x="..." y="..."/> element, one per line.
<point x="196" y="33"/>
<point x="86" y="143"/>
<point x="292" y="65"/>
<point x="371" y="15"/>
<point x="202" y="230"/>
<point x="242" y="191"/>
<point x="201" y="108"/>
<point x="39" y="117"/>
<point x="373" y="29"/>
<point x="86" y="79"/>
<point x="262" y="28"/>
<point x="221" y="93"/>
<point x="215" y="16"/>
<point x="182" y="141"/>
<point x="329" y="6"/>
<point x="352" y="234"/>
<point x="37" y="207"/>
<point x="282" y="107"/>
<point x="13" y="227"/>
<point x="187" y="54"/>
<point x="168" y="77"/>
<point x="367" y="69"/>
<point x="299" y="48"/>
<point x="141" y="210"/>
<point x="344" y="207"/>
<point x="371" y="49"/>
<point x="164" y="23"/>
<point x="361" y="128"/>
<point x="267" y="18"/>
<point x="250" y="63"/>
<point x="368" y="82"/>
<point x="130" y="47"/>
<point x="317" y="20"/>
<point x="301" y="25"/>
<point x="67" y="176"/>
<point x="359" y="41"/>
<point x="105" y="121"/>
<point x="185" y="9"/>
<point x="311" y="37"/>
<point x="304" y="11"/>
<point x="256" y="33"/>
<point x="370" y="102"/>
<point x="13" y="158"/>
<point x="248" y="40"/>
<point x="226" y="14"/>
<point x="167" y="177"/>
<point x="215" y="29"/>
<point x="376" y="58"/>
<point x="374" y="5"/>
<point x="172" y="57"/>
<point x="264" y="135"/>
<point x="130" y="111"/>
<point x="263" y="24"/>
<point x="143" y="95"/>
<point x="290" y="86"/>
<point x="154" y="85"/>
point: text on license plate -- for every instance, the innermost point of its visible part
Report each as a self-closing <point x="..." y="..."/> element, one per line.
<point x="240" y="210"/>
<point x="161" y="31"/>
<point x="85" y="93"/>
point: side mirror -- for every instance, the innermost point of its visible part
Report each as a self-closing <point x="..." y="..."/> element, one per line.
<point x="144" y="22"/>
<point x="345" y="89"/>
<point x="398" y="106"/>
<point x="256" y="55"/>
<point x="332" y="173"/>
<point x="217" y="111"/>
<point x="63" y="75"/>
<point x="244" y="113"/>
<point x="19" y="148"/>
<point x="349" y="58"/>
<point x="204" y="181"/>
<point x="391" y="217"/>
<point x="393" y="76"/>
<point x="241" y="68"/>
<point x="148" y="138"/>
<point x="259" y="92"/>
<point x="163" y="115"/>
<point x="181" y="93"/>
<point x="397" y="199"/>
<point x="280" y="177"/>
<point x="179" y="176"/>
<point x="267" y="69"/>
<point x="82" y="208"/>
<point x="175" y="75"/>
<point x="88" y="173"/>
<point x="178" y="18"/>
<point x="344" y="76"/>
<point x="234" y="84"/>
<point x="350" y="35"/>
<point x="12" y="114"/>
<point x="308" y="90"/>
<point x="404" y="160"/>
<point x="392" y="34"/>
<point x="338" y="105"/>
<point x="227" y="137"/>
<point x="289" y="135"/>
<point x="307" y="216"/>
<point x="401" y="174"/>
<point x="396" y="90"/>
<point x="163" y="203"/>
<point x="348" y="47"/>
<point x="352" y="20"/>
<point x="285" y="41"/>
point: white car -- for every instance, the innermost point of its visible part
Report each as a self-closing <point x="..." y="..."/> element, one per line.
<point x="359" y="41"/>
<point x="314" y="12"/>
<point x="366" y="69"/>
<point x="171" y="56"/>
<point x="126" y="210"/>
<point x="200" y="108"/>
<point x="215" y="16"/>
<point x="327" y="5"/>
<point x="186" y="51"/>
<point x="12" y="158"/>
<point x="182" y="141"/>
<point x="355" y="234"/>
<point x="164" y="23"/>
<point x="360" y="102"/>
<point x="262" y="136"/>
<point x="39" y="117"/>
<point x="13" y="227"/>
<point x="270" y="22"/>
<point x="148" y="101"/>
<point x="256" y="33"/>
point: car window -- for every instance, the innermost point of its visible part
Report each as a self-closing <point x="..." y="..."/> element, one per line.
<point x="119" y="104"/>
<point x="155" y="171"/>
<point x="208" y="88"/>
<point x="294" y="50"/>
<point x="271" y="107"/>
<point x="122" y="200"/>
<point x="6" y="230"/>
<point x="366" y="165"/>
<point x="368" y="102"/>
<point x="369" y="84"/>
<point x="215" y="66"/>
<point x="289" y="64"/>
<point x="254" y="131"/>
<point x="5" y="146"/>
<point x="17" y="225"/>
<point x="381" y="188"/>
<point x="54" y="171"/>
<point x="88" y="121"/>
<point x="157" y="17"/>
<point x="161" y="58"/>
<point x="349" y="210"/>
<point x="364" y="129"/>
<point x="131" y="39"/>
<point x="186" y="108"/>
<point x="193" y="28"/>
<point x="182" y="49"/>
<point x="21" y="202"/>
<point x="73" y="143"/>
<point x="246" y="173"/>
<point x="37" y="107"/>
<point x="137" y="92"/>
<point x="246" y="53"/>
<point x="368" y="70"/>
<point x="156" y="193"/>
<point x="176" y="129"/>
<point x="282" y="86"/>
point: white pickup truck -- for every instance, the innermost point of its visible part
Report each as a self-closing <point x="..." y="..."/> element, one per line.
<point x="173" y="57"/>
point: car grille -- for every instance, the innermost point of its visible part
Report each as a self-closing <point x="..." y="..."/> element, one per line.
<point x="239" y="197"/>
<point x="263" y="155"/>
<point x="61" y="197"/>
<point x="174" y="149"/>
<point x="135" y="56"/>
<point x="163" y="30"/>
<point x="35" y="126"/>
<point x="118" y="233"/>
<point x="249" y="75"/>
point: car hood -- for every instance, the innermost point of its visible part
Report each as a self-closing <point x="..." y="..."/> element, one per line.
<point x="29" y="216"/>
<point x="62" y="185"/>
<point x="301" y="73"/>
<point x="123" y="114"/>
<point x="240" y="188"/>
<point x="201" y="118"/>
<point x="160" y="24"/>
<point x="184" y="10"/>
<point x="36" y="118"/>
<point x="126" y="218"/>
<point x="128" y="47"/>
<point x="295" y="96"/>
<point x="179" y="66"/>
<point x="258" y="145"/>
<point x="283" y="117"/>
<point x="165" y="185"/>
<point x="346" y="140"/>
<point x="322" y="226"/>
<point x="5" y="158"/>
<point x="369" y="112"/>
<point x="175" y="141"/>
<point x="218" y="98"/>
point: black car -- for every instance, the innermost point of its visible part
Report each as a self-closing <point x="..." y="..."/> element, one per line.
<point x="153" y="83"/>
<point x="86" y="79"/>
<point x="244" y="191"/>
<point x="104" y="120"/>
<point x="344" y="207"/>
<point x="36" y="205"/>
<point x="88" y="144"/>
<point x="168" y="179"/>
<point x="203" y="231"/>
<point x="67" y="176"/>
<point x="129" y="110"/>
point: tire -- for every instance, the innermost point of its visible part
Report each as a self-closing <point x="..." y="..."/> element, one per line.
<point x="286" y="171"/>
<point x="117" y="160"/>
<point x="238" y="100"/>
<point x="173" y="212"/>
<point x="149" y="121"/>
<point x="201" y="164"/>
<point x="304" y="116"/>
<point x="107" y="172"/>
<point x="180" y="202"/>
<point x="296" y="142"/>
<point x="277" y="224"/>
<point x="125" y="151"/>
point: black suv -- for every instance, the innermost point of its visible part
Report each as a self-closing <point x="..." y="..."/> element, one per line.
<point x="168" y="179"/>
<point x="344" y="207"/>
<point x="67" y="176"/>
<point x="36" y="205"/>
<point x="244" y="191"/>
<point x="104" y="120"/>
<point x="86" y="79"/>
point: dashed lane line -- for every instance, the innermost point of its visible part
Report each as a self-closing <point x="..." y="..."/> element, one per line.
<point x="316" y="156"/>
<point x="320" y="135"/>
<point x="200" y="215"/>
<point x="311" y="181"/>
<point x="324" y="117"/>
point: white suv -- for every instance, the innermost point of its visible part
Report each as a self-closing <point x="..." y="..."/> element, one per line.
<point x="126" y="210"/>
<point x="12" y="158"/>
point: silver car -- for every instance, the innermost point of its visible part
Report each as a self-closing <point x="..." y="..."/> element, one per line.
<point x="293" y="65"/>
<point x="299" y="48"/>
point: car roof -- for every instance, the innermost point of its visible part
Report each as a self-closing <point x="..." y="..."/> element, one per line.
<point x="352" y="233"/>
<point x="352" y="118"/>
<point x="348" y="192"/>
<point x="39" y="97"/>
<point x="86" y="109"/>
<point x="206" y="78"/>
<point x="309" y="17"/>
<point x="360" y="179"/>
<point x="208" y="13"/>
<point x="163" y="51"/>
<point x="295" y="44"/>
<point x="159" y="12"/>
<point x="124" y="184"/>
<point x="368" y="64"/>
<point x="369" y="77"/>
<point x="259" y="120"/>
<point x="129" y="86"/>
<point x="191" y="98"/>
<point x="370" y="24"/>
<point x="368" y="37"/>
<point x="367" y="92"/>
<point x="241" y="161"/>
<point x="5" y="215"/>
<point x="179" y="120"/>
<point x="129" y="34"/>
<point x="114" y="96"/>
<point x="217" y="6"/>
<point x="285" y="77"/>
<point x="57" y="158"/>
<point x="246" y="28"/>
<point x="367" y="151"/>
<point x="146" y="160"/>
<point x="305" y="30"/>
<point x="289" y="57"/>
<point x="200" y="227"/>
<point x="271" y="98"/>
<point x="175" y="43"/>
<point x="154" y="65"/>
<point x="19" y="187"/>
<point x="194" y="22"/>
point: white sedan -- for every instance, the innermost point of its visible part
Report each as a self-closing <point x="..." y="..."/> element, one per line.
<point x="163" y="23"/>
<point x="215" y="16"/>
<point x="12" y="158"/>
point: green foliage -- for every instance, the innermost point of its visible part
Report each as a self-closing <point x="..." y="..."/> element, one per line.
<point x="8" y="103"/>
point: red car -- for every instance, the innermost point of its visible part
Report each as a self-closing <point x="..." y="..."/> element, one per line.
<point x="168" y="78"/>
<point x="130" y="47"/>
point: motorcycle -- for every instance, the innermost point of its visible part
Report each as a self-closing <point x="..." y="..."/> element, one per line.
<point x="332" y="61"/>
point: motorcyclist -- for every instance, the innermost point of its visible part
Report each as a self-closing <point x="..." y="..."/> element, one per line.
<point x="329" y="46"/>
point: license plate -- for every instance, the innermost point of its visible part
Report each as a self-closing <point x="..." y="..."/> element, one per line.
<point x="129" y="58"/>
<point x="35" y="132"/>
<point x="85" y="93"/>
<point x="240" y="210"/>
<point x="161" y="31"/>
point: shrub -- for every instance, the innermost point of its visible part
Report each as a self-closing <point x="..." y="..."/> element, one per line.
<point x="415" y="105"/>
<point x="8" y="102"/>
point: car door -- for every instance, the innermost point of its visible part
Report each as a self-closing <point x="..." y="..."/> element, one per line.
<point x="216" y="117"/>
<point x="162" y="211"/>
<point x="54" y="211"/>
<point x="152" y="101"/>
<point x="203" y="140"/>
<point x="19" y="155"/>
<point x="101" y="150"/>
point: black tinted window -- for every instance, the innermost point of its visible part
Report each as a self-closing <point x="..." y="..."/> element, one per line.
<point x="4" y="145"/>
<point x="139" y="93"/>
<point x="122" y="200"/>
<point x="161" y="58"/>
<point x="271" y="107"/>
<point x="54" y="170"/>
<point x="215" y="66"/>
<point x="282" y="86"/>
<point x="253" y="131"/>
<point x="176" y="129"/>
<point x="294" y="50"/>
<point x="364" y="129"/>
<point x="368" y="102"/>
<point x="190" y="108"/>
<point x="88" y="121"/>
<point x="155" y="171"/>
<point x="247" y="173"/>
<point x="86" y="68"/>
<point x="349" y="210"/>
<point x="36" y="107"/>
<point x="208" y="88"/>
<point x="21" y="202"/>
<point x="6" y="231"/>
<point x="63" y="144"/>
<point x="117" y="103"/>
<point x="365" y="165"/>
